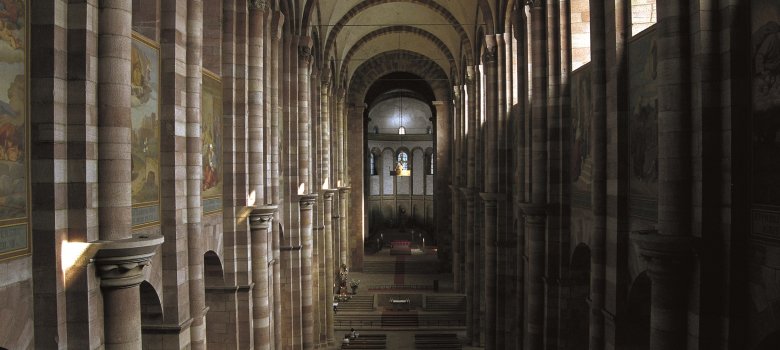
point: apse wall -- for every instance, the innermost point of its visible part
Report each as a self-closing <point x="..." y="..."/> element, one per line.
<point x="400" y="200"/>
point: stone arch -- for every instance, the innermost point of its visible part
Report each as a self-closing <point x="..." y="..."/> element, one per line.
<point x="401" y="29"/>
<point x="151" y="314"/>
<point x="578" y="307"/>
<point x="637" y="327"/>
<point x="213" y="274"/>
<point x="363" y="5"/>
<point x="398" y="61"/>
<point x="151" y="307"/>
<point x="220" y="319"/>
<point x="487" y="16"/>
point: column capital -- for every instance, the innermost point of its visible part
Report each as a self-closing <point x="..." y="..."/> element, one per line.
<point x="668" y="257"/>
<point x="470" y="73"/>
<point x="534" y="214"/>
<point x="344" y="189"/>
<point x="257" y="5"/>
<point x="261" y="217"/>
<point x="120" y="263"/>
<point x="491" y="49"/>
<point x="276" y="25"/>
<point x="328" y="193"/>
<point x="304" y="49"/>
<point x="307" y="201"/>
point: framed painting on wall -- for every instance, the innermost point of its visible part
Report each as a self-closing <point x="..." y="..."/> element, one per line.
<point x="14" y="131"/>
<point x="145" y="138"/>
<point x="211" y="142"/>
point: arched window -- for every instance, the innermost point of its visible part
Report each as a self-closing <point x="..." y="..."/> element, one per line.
<point x="403" y="160"/>
<point x="402" y="164"/>
<point x="372" y="163"/>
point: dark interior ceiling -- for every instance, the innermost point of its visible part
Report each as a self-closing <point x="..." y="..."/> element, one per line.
<point x="399" y="81"/>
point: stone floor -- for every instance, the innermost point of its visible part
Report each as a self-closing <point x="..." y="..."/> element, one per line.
<point x="403" y="339"/>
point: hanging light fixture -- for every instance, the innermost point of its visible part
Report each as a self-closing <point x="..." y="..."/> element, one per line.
<point x="401" y="129"/>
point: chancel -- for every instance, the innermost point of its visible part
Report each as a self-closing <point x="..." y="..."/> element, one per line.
<point x="390" y="174"/>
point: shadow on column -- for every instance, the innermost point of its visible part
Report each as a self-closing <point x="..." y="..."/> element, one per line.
<point x="578" y="309"/>
<point x="151" y="315"/>
<point x="637" y="332"/>
<point x="220" y="301"/>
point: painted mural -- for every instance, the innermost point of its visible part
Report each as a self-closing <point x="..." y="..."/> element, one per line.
<point x="581" y="111"/>
<point x="765" y="58"/>
<point x="14" y="204"/>
<point x="211" y="138"/>
<point x="643" y="125"/>
<point x="145" y="85"/>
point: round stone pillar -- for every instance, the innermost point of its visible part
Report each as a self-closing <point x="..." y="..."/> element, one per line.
<point x="343" y="223"/>
<point x="114" y="120"/>
<point x="669" y="265"/>
<point x="535" y="225"/>
<point x="307" y="251"/>
<point x="120" y="265"/>
<point x="260" y="225"/>
<point x="330" y="258"/>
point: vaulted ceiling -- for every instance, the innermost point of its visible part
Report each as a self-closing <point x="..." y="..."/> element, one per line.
<point x="354" y="33"/>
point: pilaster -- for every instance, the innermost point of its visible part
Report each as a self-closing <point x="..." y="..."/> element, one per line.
<point x="307" y="245"/>
<point x="120" y="264"/>
<point x="261" y="228"/>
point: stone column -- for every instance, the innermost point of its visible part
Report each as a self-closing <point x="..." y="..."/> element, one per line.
<point x="472" y="287"/>
<point x="255" y="99"/>
<point x="320" y="300"/>
<point x="598" y="153"/>
<point x="520" y="189"/>
<point x="456" y="248"/>
<point x="307" y="244"/>
<point x="277" y="20"/>
<point x="337" y="222"/>
<point x="441" y="180"/>
<point x="330" y="258"/>
<point x="669" y="251"/>
<point x="120" y="264"/>
<point x="304" y="114"/>
<point x="114" y="120"/>
<point x="344" y="220"/>
<point x="194" y="176"/>
<point x="261" y="226"/>
<point x="355" y="153"/>
<point x="489" y="197"/>
<point x="456" y="139"/>
<point x="501" y="187"/>
<point x="535" y="212"/>
<point x="617" y="35"/>
<point x="341" y="126"/>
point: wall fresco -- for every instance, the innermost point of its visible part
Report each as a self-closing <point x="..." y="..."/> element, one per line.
<point x="14" y="162"/>
<point x="581" y="160"/>
<point x="765" y="62"/>
<point x="211" y="142"/>
<point x="643" y="125"/>
<point x="145" y="85"/>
